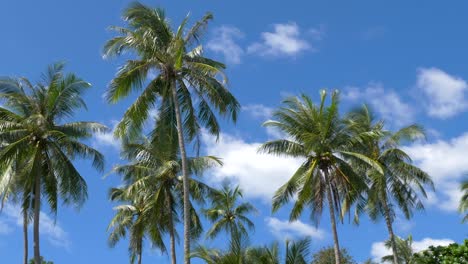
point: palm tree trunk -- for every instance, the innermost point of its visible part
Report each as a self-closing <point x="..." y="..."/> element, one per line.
<point x="25" y="236"/>
<point x="333" y="220"/>
<point x="37" y="204"/>
<point x="171" y="228"/>
<point x="139" y="255"/>
<point x="183" y="154"/>
<point x="388" y="220"/>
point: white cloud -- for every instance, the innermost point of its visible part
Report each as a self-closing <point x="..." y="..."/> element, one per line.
<point x="224" y="41"/>
<point x="387" y="103"/>
<point x="107" y="139"/>
<point x="259" y="175"/>
<point x="51" y="230"/>
<point x="445" y="161"/>
<point x="258" y="111"/>
<point x="264" y="113"/>
<point x="285" y="40"/>
<point x="290" y="230"/>
<point x="444" y="93"/>
<point x="378" y="249"/>
<point x="54" y="233"/>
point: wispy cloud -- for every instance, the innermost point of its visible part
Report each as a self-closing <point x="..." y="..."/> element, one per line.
<point x="11" y="216"/>
<point x="224" y="41"/>
<point x="386" y="102"/>
<point x="290" y="230"/>
<point x="5" y="228"/>
<point x="258" y="111"/>
<point x="107" y="139"/>
<point x="444" y="93"/>
<point x="372" y="33"/>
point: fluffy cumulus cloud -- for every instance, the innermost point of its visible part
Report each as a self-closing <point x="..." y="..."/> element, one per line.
<point x="445" y="161"/>
<point x="224" y="41"/>
<point x="384" y="101"/>
<point x="259" y="175"/>
<point x="285" y="40"/>
<point x="11" y="216"/>
<point x="379" y="250"/>
<point x="290" y="230"/>
<point x="444" y="93"/>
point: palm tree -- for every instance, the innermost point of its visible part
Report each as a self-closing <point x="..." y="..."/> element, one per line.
<point x="400" y="178"/>
<point x="181" y="74"/>
<point x="12" y="189"/>
<point x="238" y="253"/>
<point x="404" y="249"/>
<point x="31" y="121"/>
<point x="464" y="200"/>
<point x="154" y="169"/>
<point x="326" y="255"/>
<point x="136" y="218"/>
<point x="317" y="134"/>
<point x="228" y="214"/>
<point x="42" y="261"/>
<point x="296" y="252"/>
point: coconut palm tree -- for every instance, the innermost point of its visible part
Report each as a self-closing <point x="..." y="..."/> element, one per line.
<point x="400" y="182"/>
<point x="11" y="189"/>
<point x="316" y="134"/>
<point x="464" y="200"/>
<point x="137" y="219"/>
<point x="404" y="249"/>
<point x="31" y="122"/>
<point x="154" y="169"/>
<point x="296" y="252"/>
<point x="228" y="214"/>
<point x="186" y="86"/>
<point x="238" y="253"/>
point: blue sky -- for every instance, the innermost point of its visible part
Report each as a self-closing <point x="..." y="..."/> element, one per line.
<point x="406" y="59"/>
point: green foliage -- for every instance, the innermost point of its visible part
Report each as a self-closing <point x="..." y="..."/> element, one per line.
<point x="32" y="126"/>
<point x="31" y="261"/>
<point x="317" y="135"/>
<point x="39" y="147"/>
<point x="400" y="181"/>
<point x="453" y="253"/>
<point x="463" y="208"/>
<point x="327" y="256"/>
<point x="228" y="214"/>
<point x="179" y="63"/>
<point x="404" y="248"/>
<point x="369" y="261"/>
<point x="295" y="252"/>
<point x="152" y="193"/>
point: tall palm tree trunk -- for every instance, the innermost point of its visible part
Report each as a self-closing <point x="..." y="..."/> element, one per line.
<point x="25" y="236"/>
<point x="333" y="220"/>
<point x="171" y="228"/>
<point x="388" y="220"/>
<point x="183" y="154"/>
<point x="140" y="250"/>
<point x="37" y="204"/>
